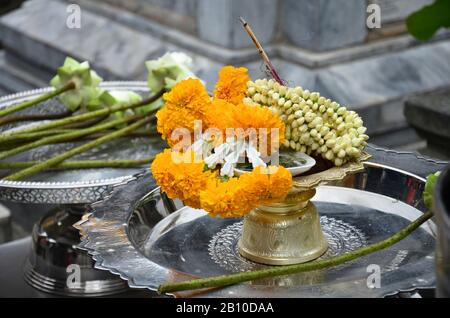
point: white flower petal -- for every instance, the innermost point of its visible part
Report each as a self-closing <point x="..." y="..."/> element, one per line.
<point x="254" y="157"/>
<point x="227" y="169"/>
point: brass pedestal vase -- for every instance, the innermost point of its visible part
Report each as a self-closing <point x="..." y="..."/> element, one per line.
<point x="289" y="232"/>
<point x="284" y="233"/>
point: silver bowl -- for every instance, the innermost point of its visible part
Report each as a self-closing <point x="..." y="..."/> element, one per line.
<point x="73" y="186"/>
<point x="54" y="238"/>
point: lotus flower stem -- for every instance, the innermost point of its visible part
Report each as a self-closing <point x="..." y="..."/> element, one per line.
<point x="83" y="117"/>
<point x="76" y="151"/>
<point x="67" y="136"/>
<point x="147" y="133"/>
<point x="87" y="123"/>
<point x="37" y="135"/>
<point x="81" y="164"/>
<point x="226" y="280"/>
<point x="23" y="138"/>
<point x="14" y="108"/>
<point x="15" y="119"/>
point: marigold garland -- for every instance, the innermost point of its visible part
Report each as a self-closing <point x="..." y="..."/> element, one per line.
<point x="183" y="177"/>
<point x="186" y="102"/>
<point x="267" y="184"/>
<point x="219" y="114"/>
<point x="238" y="196"/>
<point x="225" y="199"/>
<point x="232" y="84"/>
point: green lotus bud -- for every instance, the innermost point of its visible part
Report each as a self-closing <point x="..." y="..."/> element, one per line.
<point x="86" y="83"/>
<point x="168" y="70"/>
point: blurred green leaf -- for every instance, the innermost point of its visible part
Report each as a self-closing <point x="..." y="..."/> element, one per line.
<point x="424" y="23"/>
<point x="429" y="189"/>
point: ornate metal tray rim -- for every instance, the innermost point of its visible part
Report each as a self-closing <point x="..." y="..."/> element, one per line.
<point x="21" y="96"/>
<point x="100" y="261"/>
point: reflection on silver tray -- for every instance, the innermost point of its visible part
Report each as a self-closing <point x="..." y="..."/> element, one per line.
<point x="144" y="241"/>
<point x="74" y="186"/>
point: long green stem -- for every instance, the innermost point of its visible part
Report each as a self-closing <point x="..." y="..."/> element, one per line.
<point x="75" y="151"/>
<point x="227" y="280"/>
<point x="81" y="164"/>
<point x="25" y="138"/>
<point x="39" y="134"/>
<point x="83" y="117"/>
<point x="15" y="119"/>
<point x="67" y="136"/>
<point x="34" y="101"/>
<point x="147" y="133"/>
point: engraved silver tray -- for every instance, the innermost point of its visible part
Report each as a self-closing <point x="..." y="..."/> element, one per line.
<point x="148" y="239"/>
<point x="73" y="186"/>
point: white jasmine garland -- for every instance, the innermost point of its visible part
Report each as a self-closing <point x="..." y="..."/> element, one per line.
<point x="227" y="154"/>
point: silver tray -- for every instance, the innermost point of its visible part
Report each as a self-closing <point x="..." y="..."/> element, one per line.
<point x="149" y="240"/>
<point x="73" y="186"/>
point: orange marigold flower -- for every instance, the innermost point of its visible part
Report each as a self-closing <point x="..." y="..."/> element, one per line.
<point x="186" y="102"/>
<point x="232" y="84"/>
<point x="225" y="199"/>
<point x="168" y="121"/>
<point x="267" y="184"/>
<point x="239" y="196"/>
<point x="219" y="114"/>
<point x="248" y="120"/>
<point x="280" y="182"/>
<point x="181" y="176"/>
<point x="189" y="94"/>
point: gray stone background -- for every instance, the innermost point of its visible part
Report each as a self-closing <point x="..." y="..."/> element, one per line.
<point x="322" y="45"/>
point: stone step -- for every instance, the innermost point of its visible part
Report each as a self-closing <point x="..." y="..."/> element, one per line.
<point x="38" y="32"/>
<point x="373" y="84"/>
<point x="3" y="92"/>
<point x="18" y="76"/>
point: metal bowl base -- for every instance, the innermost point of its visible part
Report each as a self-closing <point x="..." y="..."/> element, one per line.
<point x="56" y="266"/>
<point x="95" y="288"/>
<point x="292" y="235"/>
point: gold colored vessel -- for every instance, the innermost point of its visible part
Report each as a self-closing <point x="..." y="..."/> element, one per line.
<point x="289" y="232"/>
